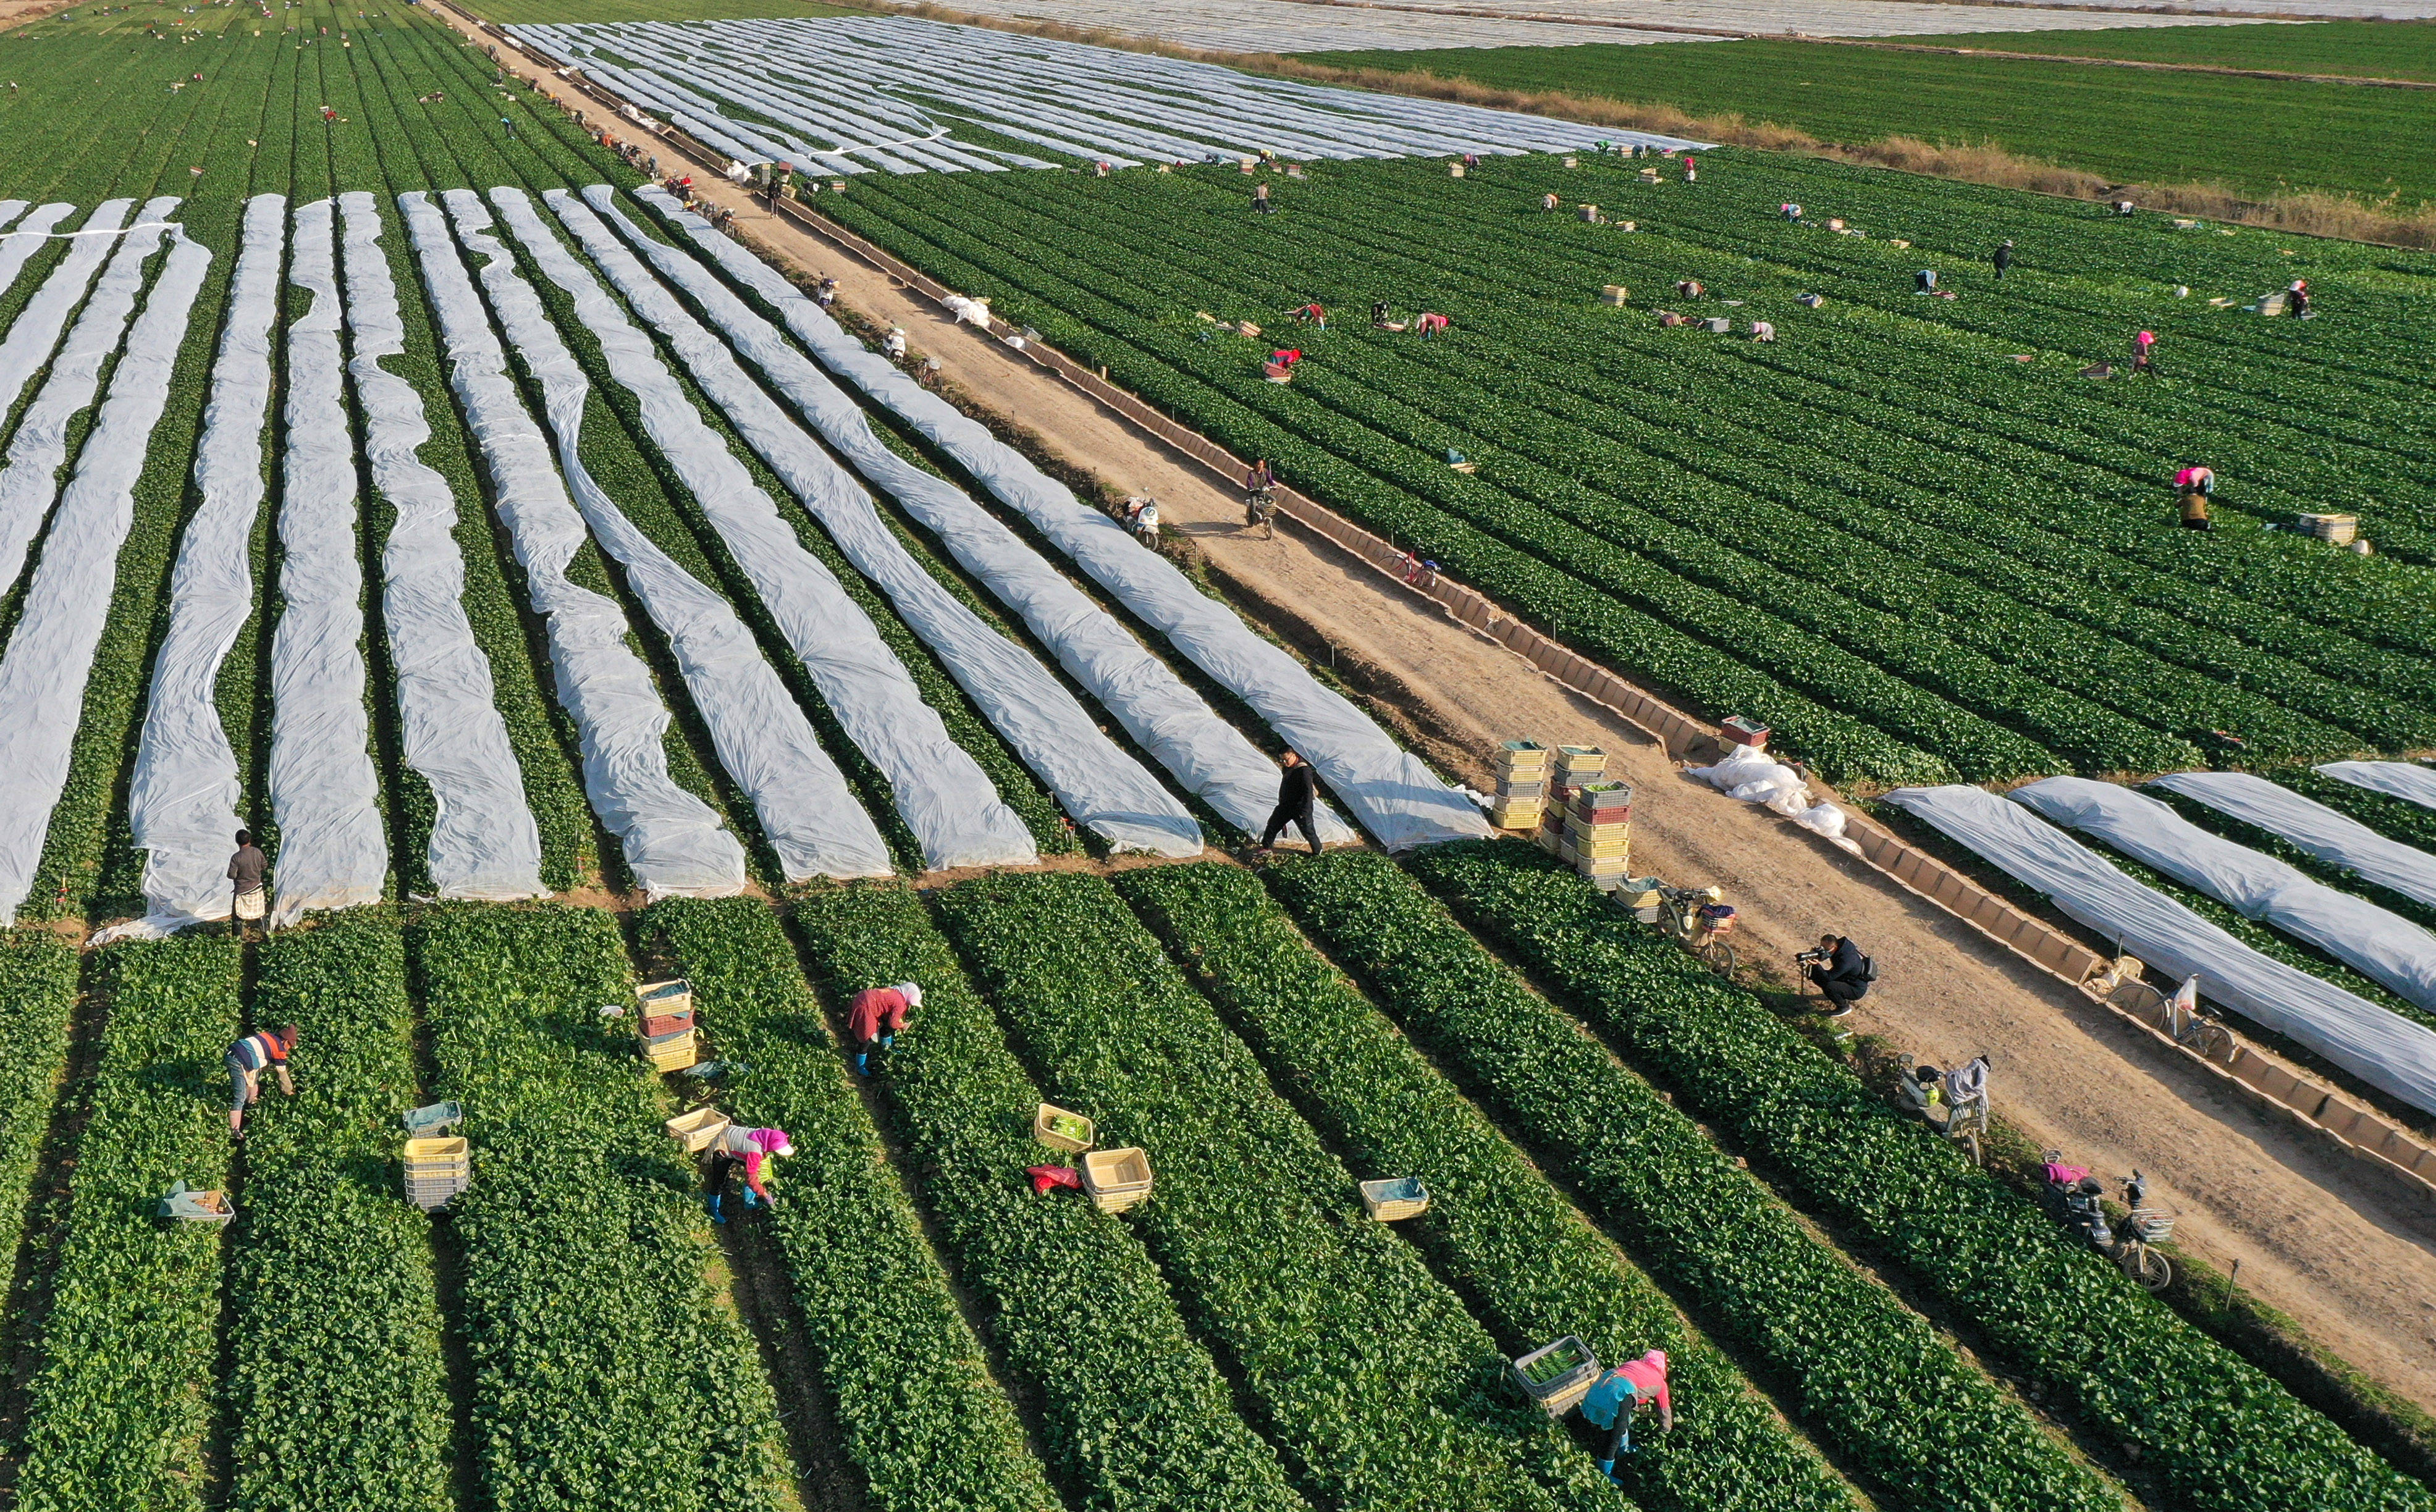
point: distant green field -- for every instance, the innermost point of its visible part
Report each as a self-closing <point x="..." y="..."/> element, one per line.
<point x="543" y="12"/>
<point x="2258" y="136"/>
<point x="2373" y="50"/>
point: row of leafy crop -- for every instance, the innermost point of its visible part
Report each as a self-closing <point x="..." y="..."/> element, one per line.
<point x="2286" y="447"/>
<point x="1445" y="243"/>
<point x="1660" y="475"/>
<point x="1506" y="1238"/>
<point x="1879" y="484"/>
<point x="1132" y="1410"/>
<point x="1361" y="1365"/>
<point x="2214" y="1431"/>
<point x="604" y="1372"/>
<point x="1649" y="643"/>
<point x="333" y="1311"/>
<point x="1859" y="1371"/>
<point x="917" y="1411"/>
<point x="121" y="1403"/>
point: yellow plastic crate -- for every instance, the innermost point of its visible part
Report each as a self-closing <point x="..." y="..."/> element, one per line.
<point x="698" y="1129"/>
<point x="1117" y="1179"/>
<point x="1045" y="1129"/>
<point x="437" y="1157"/>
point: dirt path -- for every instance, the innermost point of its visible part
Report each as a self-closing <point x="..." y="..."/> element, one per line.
<point x="2330" y="1245"/>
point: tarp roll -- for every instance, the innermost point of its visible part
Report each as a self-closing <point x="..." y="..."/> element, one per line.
<point x="2381" y="1047"/>
<point x="2314" y="827"/>
<point x="67" y="603"/>
<point x="672" y="842"/>
<point x="1096" y="782"/>
<point x="2411" y="780"/>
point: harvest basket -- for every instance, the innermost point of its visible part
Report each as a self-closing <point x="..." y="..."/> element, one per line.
<point x="1556" y="1375"/>
<point x="189" y="1206"/>
<point x="673" y="1054"/>
<point x="1062" y="1129"/>
<point x="435" y="1192"/>
<point x="698" y="1129"/>
<point x="657" y="1025"/>
<point x="2152" y="1225"/>
<point x="429" y="1158"/>
<point x="431" y="1118"/>
<point x="2337" y="530"/>
<point x="674" y="996"/>
<point x="1115" y="1180"/>
<point x="1518" y="756"/>
<point x="1394" y="1201"/>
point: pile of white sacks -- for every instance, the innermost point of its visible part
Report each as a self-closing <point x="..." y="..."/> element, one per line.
<point x="1753" y="775"/>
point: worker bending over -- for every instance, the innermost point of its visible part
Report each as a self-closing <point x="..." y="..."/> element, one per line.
<point x="2195" y="485"/>
<point x="874" y="1017"/>
<point x="1622" y="1392"/>
<point x="1297" y="802"/>
<point x="2144" y="352"/>
<point x="749" y="1148"/>
<point x="1311" y="314"/>
<point x="2003" y="258"/>
<point x="246" y="1059"/>
<point x="1430" y="325"/>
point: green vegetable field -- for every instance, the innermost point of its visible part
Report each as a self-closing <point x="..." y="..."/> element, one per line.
<point x="2255" y="136"/>
<point x="1916" y="557"/>
<point x="1825" y="551"/>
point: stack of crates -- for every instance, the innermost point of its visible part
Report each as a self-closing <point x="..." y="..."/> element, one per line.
<point x="1575" y="766"/>
<point x="667" y="1025"/>
<point x="1522" y="786"/>
<point x="1598" y="832"/>
<point x="436" y="1170"/>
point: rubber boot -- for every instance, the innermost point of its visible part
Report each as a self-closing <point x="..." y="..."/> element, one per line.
<point x="1607" y="1468"/>
<point x="750" y="1200"/>
<point x="862" y="1065"/>
<point x="711" y="1205"/>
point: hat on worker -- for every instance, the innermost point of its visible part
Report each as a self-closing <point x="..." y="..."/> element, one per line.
<point x="912" y="993"/>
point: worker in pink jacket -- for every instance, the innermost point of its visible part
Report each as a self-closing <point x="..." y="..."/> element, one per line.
<point x="1619" y="1394"/>
<point x="749" y="1148"/>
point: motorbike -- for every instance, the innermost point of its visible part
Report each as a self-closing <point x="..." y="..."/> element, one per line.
<point x="2078" y="1200"/>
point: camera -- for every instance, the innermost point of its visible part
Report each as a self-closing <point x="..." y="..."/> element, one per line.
<point x="1812" y="958"/>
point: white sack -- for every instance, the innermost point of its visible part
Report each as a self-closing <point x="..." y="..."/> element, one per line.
<point x="759" y="731"/>
<point x="1753" y="775"/>
<point x="1095" y="781"/>
<point x="484" y="844"/>
<point x="1826" y="821"/>
<point x="1212" y="758"/>
<point x="940" y="790"/>
<point x="673" y="841"/>
<point x="2378" y="944"/>
<point x="2313" y="827"/>
<point x="2374" y="1044"/>
<point x="66" y="607"/>
<point x="184" y="795"/>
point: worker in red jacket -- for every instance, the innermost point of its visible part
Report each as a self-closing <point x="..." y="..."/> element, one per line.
<point x="875" y="1016"/>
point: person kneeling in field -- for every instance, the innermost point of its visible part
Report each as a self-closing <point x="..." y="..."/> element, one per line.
<point x="1619" y="1394"/>
<point x="246" y="1060"/>
<point x="874" y="1017"/>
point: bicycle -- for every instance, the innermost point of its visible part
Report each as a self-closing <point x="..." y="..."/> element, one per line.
<point x="2198" y="1030"/>
<point x="1699" y="923"/>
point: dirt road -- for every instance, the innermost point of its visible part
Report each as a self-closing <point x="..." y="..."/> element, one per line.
<point x="2316" y="1238"/>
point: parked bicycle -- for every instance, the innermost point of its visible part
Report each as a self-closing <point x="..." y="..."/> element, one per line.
<point x="1695" y="917"/>
<point x="1964" y="1121"/>
<point x="2181" y="1017"/>
<point x="2079" y="1199"/>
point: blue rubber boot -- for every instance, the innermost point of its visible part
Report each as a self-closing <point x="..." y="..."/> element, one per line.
<point x="863" y="1064"/>
<point x="888" y="1042"/>
<point x="750" y="1200"/>
<point x="711" y="1205"/>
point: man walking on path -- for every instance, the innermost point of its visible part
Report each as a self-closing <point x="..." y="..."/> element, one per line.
<point x="2003" y="258"/>
<point x="244" y="869"/>
<point x="1297" y="802"/>
<point x="874" y="1017"/>
<point x="246" y="1059"/>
